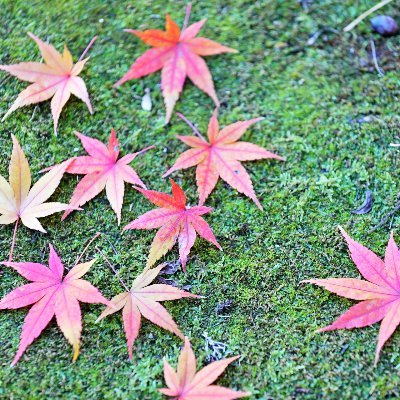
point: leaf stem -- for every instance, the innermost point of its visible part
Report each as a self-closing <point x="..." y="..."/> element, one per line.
<point x="113" y="269"/>
<point x="87" y="246"/>
<point x="187" y="16"/>
<point x="87" y="48"/>
<point x="13" y="240"/>
<point x="145" y="149"/>
<point x="194" y="129"/>
<point x="375" y="59"/>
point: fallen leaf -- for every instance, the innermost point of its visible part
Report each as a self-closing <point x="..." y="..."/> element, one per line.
<point x="220" y="156"/>
<point x="102" y="169"/>
<point x="366" y="206"/>
<point x="380" y="293"/>
<point x="143" y="300"/>
<point x="215" y="350"/>
<point x="20" y="202"/>
<point x="57" y="78"/>
<point x="178" y="53"/>
<point x="187" y="384"/>
<point x="177" y="222"/>
<point x="51" y="294"/>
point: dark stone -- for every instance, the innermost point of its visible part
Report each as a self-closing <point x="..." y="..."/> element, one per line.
<point x="386" y="26"/>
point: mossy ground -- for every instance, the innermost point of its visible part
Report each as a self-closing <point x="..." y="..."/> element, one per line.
<point x="313" y="98"/>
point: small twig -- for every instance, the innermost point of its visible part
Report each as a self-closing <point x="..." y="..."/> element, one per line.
<point x="194" y="129"/>
<point x="365" y="15"/>
<point x="394" y="144"/>
<point x="87" y="48"/>
<point x="33" y="113"/>
<point x="87" y="246"/>
<point x="13" y="240"/>
<point x="377" y="67"/>
<point x="5" y="79"/>
<point x="145" y="149"/>
<point x="187" y="16"/>
<point x="383" y="221"/>
<point x="111" y="244"/>
<point x="113" y="269"/>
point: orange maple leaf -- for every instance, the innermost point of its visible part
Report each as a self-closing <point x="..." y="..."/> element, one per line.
<point x="143" y="300"/>
<point x="220" y="156"/>
<point x="187" y="384"/>
<point x="178" y="53"/>
<point x="57" y="78"/>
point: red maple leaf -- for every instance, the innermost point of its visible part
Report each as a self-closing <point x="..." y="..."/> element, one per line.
<point x="380" y="293"/>
<point x="143" y="300"/>
<point x="220" y="157"/>
<point x="187" y="384"/>
<point x="51" y="295"/>
<point x="177" y="53"/>
<point x="176" y="221"/>
<point x="102" y="169"/>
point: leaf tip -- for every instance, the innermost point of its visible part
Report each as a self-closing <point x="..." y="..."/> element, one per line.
<point x="76" y="352"/>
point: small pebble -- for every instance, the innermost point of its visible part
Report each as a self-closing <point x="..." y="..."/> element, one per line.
<point x="146" y="100"/>
<point x="383" y="24"/>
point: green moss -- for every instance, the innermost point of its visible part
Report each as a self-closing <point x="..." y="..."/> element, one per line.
<point x="312" y="97"/>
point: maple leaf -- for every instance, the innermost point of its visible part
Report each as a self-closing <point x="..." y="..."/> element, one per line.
<point x="176" y="221"/>
<point x="220" y="156"/>
<point x="57" y="78"/>
<point x="143" y="300"/>
<point x="178" y="53"/>
<point x="51" y="294"/>
<point x="380" y="293"/>
<point x="187" y="384"/>
<point x="20" y="202"/>
<point x="102" y="169"/>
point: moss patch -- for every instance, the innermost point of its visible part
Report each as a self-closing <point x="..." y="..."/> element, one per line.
<point x="314" y="99"/>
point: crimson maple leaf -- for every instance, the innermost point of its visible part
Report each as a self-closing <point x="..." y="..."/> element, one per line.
<point x="102" y="169"/>
<point x="220" y="157"/>
<point x="143" y="300"/>
<point x="51" y="295"/>
<point x="187" y="384"/>
<point x="57" y="77"/>
<point x="176" y="221"/>
<point x="380" y="293"/>
<point x="177" y="53"/>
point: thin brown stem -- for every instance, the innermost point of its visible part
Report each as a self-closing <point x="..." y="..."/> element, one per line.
<point x="113" y="269"/>
<point x="13" y="240"/>
<point x="145" y="149"/>
<point x="87" y="246"/>
<point x="87" y="48"/>
<point x="194" y="129"/>
<point x="187" y="16"/>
